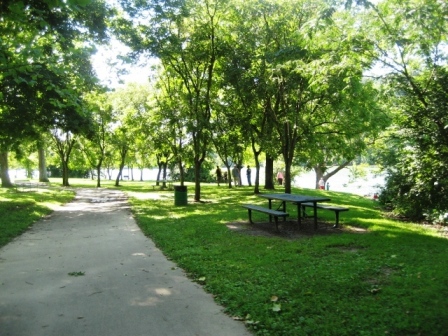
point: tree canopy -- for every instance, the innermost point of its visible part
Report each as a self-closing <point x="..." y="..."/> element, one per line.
<point x="289" y="80"/>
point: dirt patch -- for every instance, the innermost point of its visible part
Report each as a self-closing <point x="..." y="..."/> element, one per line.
<point x="290" y="230"/>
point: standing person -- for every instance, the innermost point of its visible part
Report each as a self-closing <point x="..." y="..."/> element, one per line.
<point x="218" y="174"/>
<point x="236" y="175"/>
<point x="280" y="177"/>
<point x="321" y="184"/>
<point x="248" y="172"/>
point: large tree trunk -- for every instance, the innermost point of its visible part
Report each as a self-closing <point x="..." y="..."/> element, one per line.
<point x="4" y="170"/>
<point x="269" y="174"/>
<point x="42" y="162"/>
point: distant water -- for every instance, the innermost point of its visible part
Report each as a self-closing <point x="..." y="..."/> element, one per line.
<point x="340" y="182"/>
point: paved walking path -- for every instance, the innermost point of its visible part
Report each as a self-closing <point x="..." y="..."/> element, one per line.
<point x="128" y="287"/>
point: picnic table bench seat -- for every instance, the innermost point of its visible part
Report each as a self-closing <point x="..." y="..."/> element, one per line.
<point x="334" y="208"/>
<point x="163" y="184"/>
<point x="27" y="184"/>
<point x="271" y="212"/>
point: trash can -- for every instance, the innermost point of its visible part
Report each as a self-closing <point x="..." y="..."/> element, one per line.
<point x="180" y="195"/>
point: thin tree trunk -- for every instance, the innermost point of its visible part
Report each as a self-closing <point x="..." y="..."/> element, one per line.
<point x="98" y="173"/>
<point x="257" y="175"/>
<point x="197" y="182"/>
<point x="123" y="153"/>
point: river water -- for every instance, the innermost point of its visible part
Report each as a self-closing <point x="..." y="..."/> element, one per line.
<point x="342" y="181"/>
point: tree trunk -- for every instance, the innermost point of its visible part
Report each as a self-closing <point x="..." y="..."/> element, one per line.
<point x="4" y="170"/>
<point x="98" y="173"/>
<point x="42" y="162"/>
<point x="287" y="179"/>
<point x="257" y="166"/>
<point x="123" y="153"/>
<point x="257" y="175"/>
<point x="65" y="173"/>
<point x="181" y="172"/>
<point x="197" y="180"/>
<point x="239" y="182"/>
<point x="229" y="174"/>
<point x="159" y="165"/>
<point x="269" y="174"/>
<point x="164" y="166"/>
<point x="320" y="172"/>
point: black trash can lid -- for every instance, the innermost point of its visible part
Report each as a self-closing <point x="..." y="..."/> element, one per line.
<point x="180" y="188"/>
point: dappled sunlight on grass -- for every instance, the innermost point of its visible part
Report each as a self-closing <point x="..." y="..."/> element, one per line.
<point x="373" y="276"/>
<point x="372" y="264"/>
<point x="20" y="209"/>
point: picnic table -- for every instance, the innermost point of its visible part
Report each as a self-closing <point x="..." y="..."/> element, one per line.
<point x="163" y="184"/>
<point x="297" y="200"/>
<point x="28" y="184"/>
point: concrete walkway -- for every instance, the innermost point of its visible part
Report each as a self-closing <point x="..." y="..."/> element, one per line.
<point x="88" y="270"/>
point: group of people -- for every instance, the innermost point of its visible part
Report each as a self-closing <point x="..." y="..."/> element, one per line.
<point x="237" y="178"/>
<point x="236" y="175"/>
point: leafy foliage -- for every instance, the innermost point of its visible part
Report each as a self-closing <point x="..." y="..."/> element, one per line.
<point x="418" y="174"/>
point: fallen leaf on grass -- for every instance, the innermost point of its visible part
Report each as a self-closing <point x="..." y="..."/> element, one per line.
<point x="274" y="298"/>
<point x="277" y="307"/>
<point x="251" y="322"/>
<point x="375" y="290"/>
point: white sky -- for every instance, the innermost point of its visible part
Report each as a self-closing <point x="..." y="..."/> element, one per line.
<point x="108" y="67"/>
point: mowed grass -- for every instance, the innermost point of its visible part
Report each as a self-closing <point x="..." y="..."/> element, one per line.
<point x="392" y="279"/>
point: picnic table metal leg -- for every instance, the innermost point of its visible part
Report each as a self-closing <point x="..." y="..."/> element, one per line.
<point x="284" y="210"/>
<point x="250" y="216"/>
<point x="270" y="207"/>
<point x="337" y="219"/>
<point x="299" y="215"/>
<point x="315" y="215"/>
<point x="276" y="223"/>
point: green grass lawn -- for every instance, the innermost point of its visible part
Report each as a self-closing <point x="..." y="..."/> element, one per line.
<point x="392" y="279"/>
